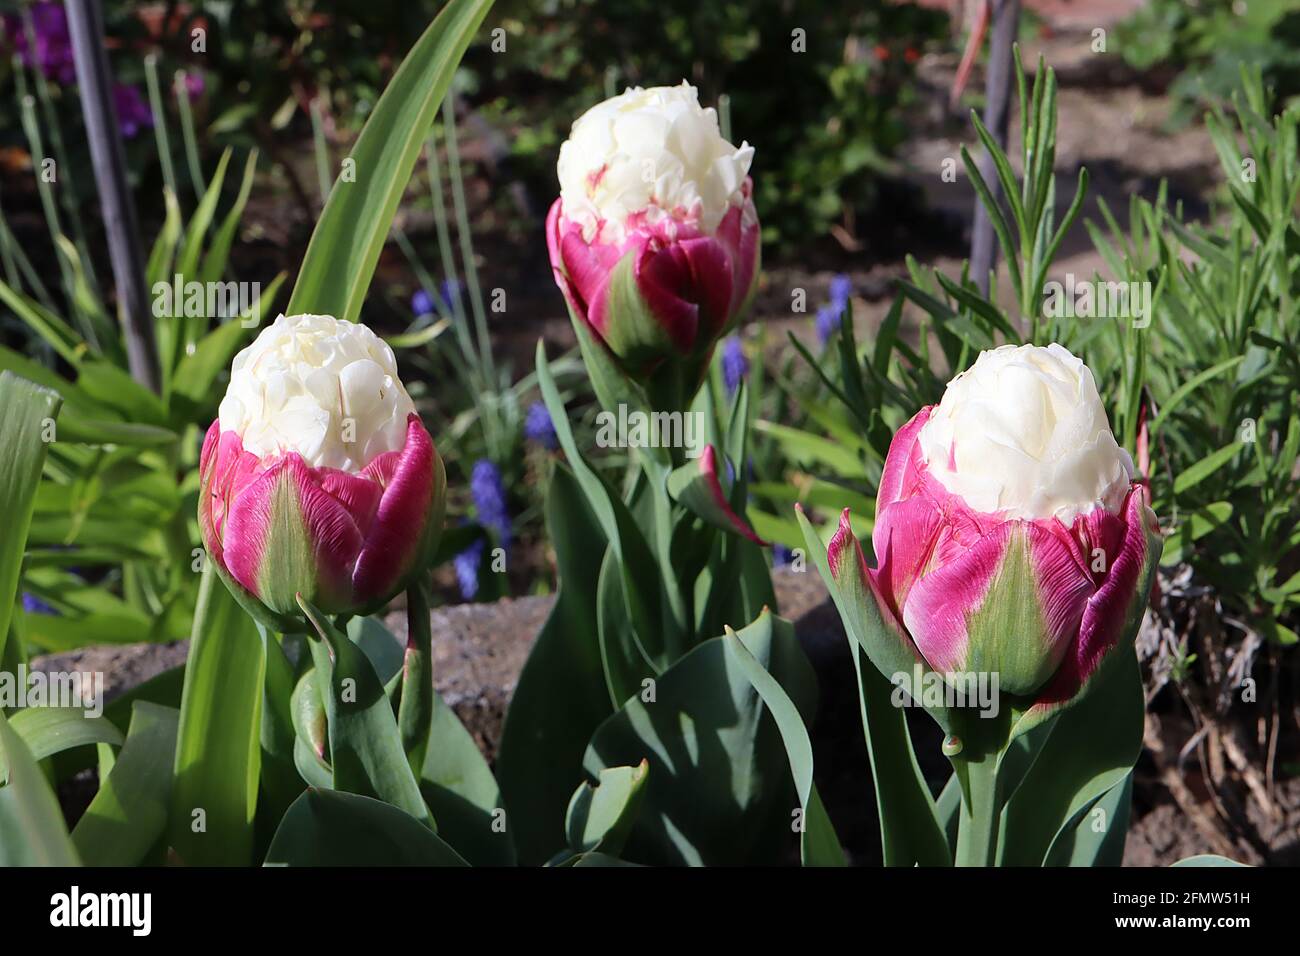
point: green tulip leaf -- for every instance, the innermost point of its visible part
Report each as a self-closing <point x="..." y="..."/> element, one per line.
<point x="366" y="753"/>
<point x="333" y="828"/>
<point x="718" y="788"/>
<point x="602" y="814"/>
<point x="542" y="744"/>
<point x="128" y="816"/>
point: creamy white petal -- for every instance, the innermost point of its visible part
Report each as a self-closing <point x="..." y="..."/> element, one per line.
<point x="655" y="152"/>
<point x="321" y="387"/>
<point x="1023" y="431"/>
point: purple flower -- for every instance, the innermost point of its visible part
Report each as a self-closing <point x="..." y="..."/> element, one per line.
<point x="133" y="112"/>
<point x="828" y="322"/>
<point x="194" y="84"/>
<point x="734" y="364"/>
<point x="421" y="303"/>
<point x="34" y="605"/>
<point x="841" y="291"/>
<point x="449" y="291"/>
<point x="467" y="565"/>
<point x="780" y="555"/>
<point x="489" y="494"/>
<point x="538" y="426"/>
<point x="53" y="53"/>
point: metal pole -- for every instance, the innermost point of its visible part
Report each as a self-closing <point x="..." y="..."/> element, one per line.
<point x="997" y="113"/>
<point x="86" y="23"/>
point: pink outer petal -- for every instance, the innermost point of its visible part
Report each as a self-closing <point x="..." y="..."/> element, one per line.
<point x="939" y="603"/>
<point x="332" y="535"/>
<point x="919" y="523"/>
<point x="903" y="464"/>
<point x="1108" y="609"/>
<point x="739" y="234"/>
<point x="687" y="287"/>
<point x="400" y="525"/>
<point x="709" y="468"/>
<point x="844" y="555"/>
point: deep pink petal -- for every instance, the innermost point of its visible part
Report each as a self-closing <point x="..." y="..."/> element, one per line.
<point x="334" y="535"/>
<point x="358" y="494"/>
<point x="939" y="604"/>
<point x="1064" y="588"/>
<point x="709" y="469"/>
<point x="687" y="285"/>
<point x="1108" y="610"/>
<point x="400" y="525"/>
<point x="739" y="234"/>
<point x="903" y="463"/>
<point x="904" y="538"/>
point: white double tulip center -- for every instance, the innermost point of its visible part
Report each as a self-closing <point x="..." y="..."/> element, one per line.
<point x="321" y="387"/>
<point x="1023" y="432"/>
<point x="652" y="152"/>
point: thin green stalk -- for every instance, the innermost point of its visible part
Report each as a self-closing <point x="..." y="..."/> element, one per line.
<point x="466" y="243"/>
<point x="68" y="191"/>
<point x="445" y="249"/>
<point x="415" y="710"/>
<point x="724" y="116"/>
<point x="29" y="273"/>
<point x="187" y="132"/>
<point x="51" y="210"/>
<point x="159" y="122"/>
<point x="7" y="255"/>
<point x="322" y="152"/>
<point x="977" y="831"/>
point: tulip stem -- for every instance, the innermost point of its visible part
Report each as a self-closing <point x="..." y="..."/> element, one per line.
<point x="415" y="708"/>
<point x="977" y="831"/>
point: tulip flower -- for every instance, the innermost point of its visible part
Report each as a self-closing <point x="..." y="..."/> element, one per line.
<point x="1010" y="535"/>
<point x="318" y="477"/>
<point x="654" y="239"/>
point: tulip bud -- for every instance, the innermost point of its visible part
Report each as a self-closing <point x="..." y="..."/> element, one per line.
<point x="318" y="477"/>
<point x="654" y="239"/>
<point x="1010" y="535"/>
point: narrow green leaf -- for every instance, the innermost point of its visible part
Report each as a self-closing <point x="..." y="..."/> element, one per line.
<point x="25" y="410"/>
<point x="218" y="752"/>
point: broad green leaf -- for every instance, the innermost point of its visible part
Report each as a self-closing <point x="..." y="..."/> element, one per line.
<point x="128" y="816"/>
<point x="218" y="752"/>
<point x="350" y="234"/>
<point x="910" y="832"/>
<point x="1207" y="859"/>
<point x="542" y="745"/>
<point x="715" y="755"/>
<point x="32" y="832"/>
<point x="1092" y="746"/>
<point x="333" y="828"/>
<point x="1096" y="834"/>
<point x="601" y="815"/>
<point x="818" y="842"/>
<point x="25" y="410"/>
<point x="459" y="788"/>
<point x="50" y="730"/>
